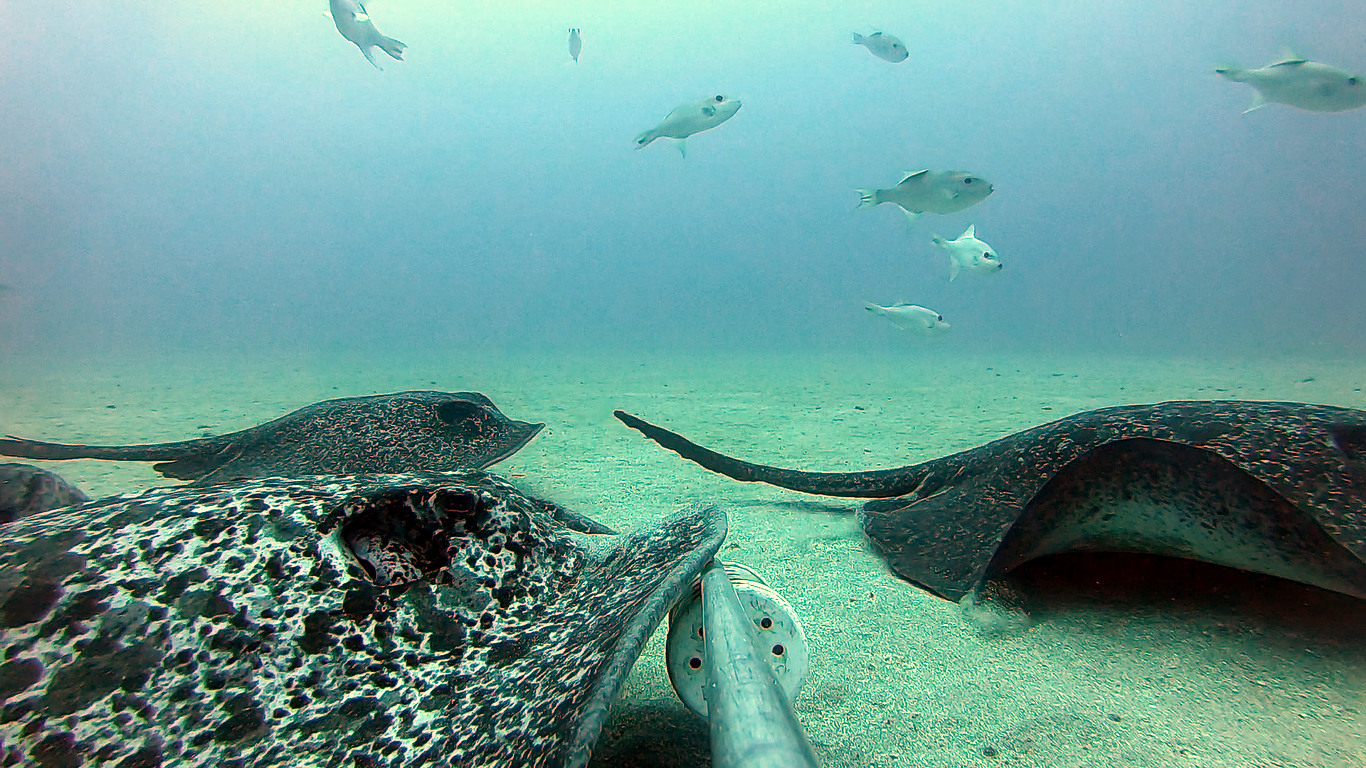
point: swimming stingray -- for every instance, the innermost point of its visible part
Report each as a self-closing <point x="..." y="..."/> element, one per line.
<point x="400" y="432"/>
<point x="375" y="620"/>
<point x="1272" y="488"/>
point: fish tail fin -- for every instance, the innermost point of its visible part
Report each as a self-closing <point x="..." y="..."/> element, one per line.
<point x="911" y="216"/>
<point x="937" y="240"/>
<point x="871" y="307"/>
<point x="1234" y="73"/>
<point x="858" y="39"/>
<point x="867" y="198"/>
<point x="391" y="46"/>
<point x="644" y="139"/>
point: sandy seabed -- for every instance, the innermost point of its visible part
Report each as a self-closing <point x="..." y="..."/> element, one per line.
<point x="1198" y="666"/>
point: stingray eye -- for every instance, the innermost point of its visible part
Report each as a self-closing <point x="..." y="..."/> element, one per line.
<point x="720" y="98"/>
<point x="456" y="411"/>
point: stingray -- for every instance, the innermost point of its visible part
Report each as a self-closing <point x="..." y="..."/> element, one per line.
<point x="1271" y="488"/>
<point x="375" y="620"/>
<point x="400" y="432"/>
<point x="26" y="490"/>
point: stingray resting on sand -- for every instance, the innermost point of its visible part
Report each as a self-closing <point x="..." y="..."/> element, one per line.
<point x="375" y="620"/>
<point x="26" y="490"/>
<point x="1271" y="488"/>
<point x="401" y="432"/>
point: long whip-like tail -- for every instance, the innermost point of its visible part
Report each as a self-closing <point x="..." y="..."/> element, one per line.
<point x="872" y="484"/>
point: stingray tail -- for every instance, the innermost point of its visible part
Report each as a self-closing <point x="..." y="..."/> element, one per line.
<point x="36" y="449"/>
<point x="875" y="484"/>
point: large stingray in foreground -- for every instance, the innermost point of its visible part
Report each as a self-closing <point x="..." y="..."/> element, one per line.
<point x="1273" y="488"/>
<point x="417" y="431"/>
<point x="391" y="620"/>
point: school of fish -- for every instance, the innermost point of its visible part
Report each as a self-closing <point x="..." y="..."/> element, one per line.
<point x="1293" y="81"/>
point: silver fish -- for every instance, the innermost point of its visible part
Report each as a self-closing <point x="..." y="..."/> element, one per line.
<point x="1300" y="83"/>
<point x="969" y="253"/>
<point x="355" y="25"/>
<point x="885" y="47"/>
<point x="690" y="118"/>
<point x="930" y="192"/>
<point x="911" y="317"/>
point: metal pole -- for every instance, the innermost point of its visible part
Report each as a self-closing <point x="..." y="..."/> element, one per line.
<point x="752" y="724"/>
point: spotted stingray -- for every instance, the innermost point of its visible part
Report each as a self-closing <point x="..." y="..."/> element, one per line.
<point x="1272" y="488"/>
<point x="377" y="620"/>
<point x="26" y="490"/>
<point x="417" y="431"/>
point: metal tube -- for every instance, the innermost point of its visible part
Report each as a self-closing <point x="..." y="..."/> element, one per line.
<point x="752" y="724"/>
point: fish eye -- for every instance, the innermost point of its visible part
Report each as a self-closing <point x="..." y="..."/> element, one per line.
<point x="1351" y="81"/>
<point x="940" y="318"/>
<point x="720" y="98"/>
<point x="988" y="255"/>
<point x="968" y="180"/>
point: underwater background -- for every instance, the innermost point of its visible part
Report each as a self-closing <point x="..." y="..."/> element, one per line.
<point x="235" y="176"/>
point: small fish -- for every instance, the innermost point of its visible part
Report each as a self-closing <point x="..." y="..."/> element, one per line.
<point x="1300" y="83"/>
<point x="930" y="192"/>
<point x="690" y="118"/>
<point x="911" y="317"/>
<point x="355" y="25"/>
<point x="575" y="44"/>
<point x="885" y="47"/>
<point x="969" y="253"/>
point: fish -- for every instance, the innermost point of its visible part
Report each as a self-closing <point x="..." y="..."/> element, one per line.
<point x="26" y="490"/>
<point x="575" y="44"/>
<point x="1274" y="488"/>
<point x="395" y="620"/>
<point x="969" y="253"/>
<point x="688" y="119"/>
<point x="911" y="317"/>
<point x="1300" y="83"/>
<point x="929" y="191"/>
<point x="885" y="47"/>
<point x="354" y="24"/>
<point x="398" y="432"/>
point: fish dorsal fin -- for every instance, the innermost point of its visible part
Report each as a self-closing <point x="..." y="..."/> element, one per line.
<point x="1289" y="63"/>
<point x="911" y="175"/>
<point x="875" y="34"/>
<point x="971" y="231"/>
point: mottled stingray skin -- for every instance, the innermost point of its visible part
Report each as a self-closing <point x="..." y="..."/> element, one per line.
<point x="26" y="490"/>
<point x="1274" y="488"/>
<point x="234" y="625"/>
<point x="420" y="431"/>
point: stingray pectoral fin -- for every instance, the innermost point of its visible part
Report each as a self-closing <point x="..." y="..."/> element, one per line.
<point x="881" y="483"/>
<point x="573" y="520"/>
